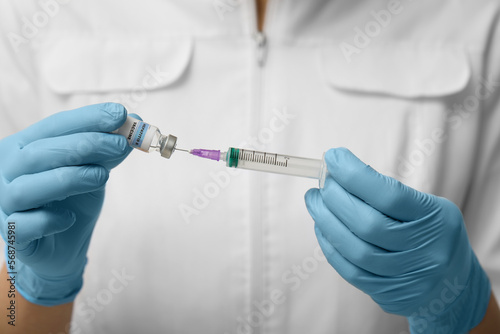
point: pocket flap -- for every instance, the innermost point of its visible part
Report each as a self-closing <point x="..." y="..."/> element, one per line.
<point x="405" y="70"/>
<point x="76" y="65"/>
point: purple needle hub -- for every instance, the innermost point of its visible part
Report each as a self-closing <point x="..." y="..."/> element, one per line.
<point x="207" y="154"/>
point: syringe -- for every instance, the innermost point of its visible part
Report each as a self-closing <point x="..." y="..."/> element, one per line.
<point x="148" y="138"/>
<point x="267" y="162"/>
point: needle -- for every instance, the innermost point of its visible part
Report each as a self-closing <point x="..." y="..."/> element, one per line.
<point x="180" y="149"/>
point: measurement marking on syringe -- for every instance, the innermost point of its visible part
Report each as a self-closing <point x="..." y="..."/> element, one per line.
<point x="263" y="157"/>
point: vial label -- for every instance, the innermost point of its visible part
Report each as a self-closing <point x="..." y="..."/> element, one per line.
<point x="137" y="133"/>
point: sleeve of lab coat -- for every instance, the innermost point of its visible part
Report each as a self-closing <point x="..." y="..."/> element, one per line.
<point x="482" y="208"/>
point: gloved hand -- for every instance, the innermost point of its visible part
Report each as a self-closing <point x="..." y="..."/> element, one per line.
<point x="406" y="249"/>
<point x="52" y="177"/>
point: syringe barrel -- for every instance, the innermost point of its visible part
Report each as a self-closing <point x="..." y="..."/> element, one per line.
<point x="276" y="163"/>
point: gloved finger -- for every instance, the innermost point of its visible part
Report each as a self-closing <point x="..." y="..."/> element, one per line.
<point x="363" y="220"/>
<point x="348" y="271"/>
<point x="113" y="163"/>
<point x="34" y="224"/>
<point x="383" y="193"/>
<point x="71" y="150"/>
<point x="31" y="191"/>
<point x="357" y="251"/>
<point x="374" y="285"/>
<point x="104" y="117"/>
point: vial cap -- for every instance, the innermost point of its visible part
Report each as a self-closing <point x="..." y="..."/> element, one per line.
<point x="168" y="146"/>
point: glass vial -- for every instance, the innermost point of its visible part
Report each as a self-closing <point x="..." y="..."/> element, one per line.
<point x="146" y="137"/>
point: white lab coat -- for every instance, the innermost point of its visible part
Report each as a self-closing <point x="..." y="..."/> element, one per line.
<point x="182" y="246"/>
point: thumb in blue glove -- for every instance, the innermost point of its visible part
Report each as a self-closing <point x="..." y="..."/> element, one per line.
<point x="52" y="181"/>
<point x="408" y="250"/>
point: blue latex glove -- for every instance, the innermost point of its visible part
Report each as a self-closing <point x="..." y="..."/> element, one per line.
<point x="406" y="249"/>
<point x="52" y="178"/>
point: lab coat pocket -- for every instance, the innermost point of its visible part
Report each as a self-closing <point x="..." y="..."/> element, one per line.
<point x="404" y="71"/>
<point x="86" y="66"/>
<point x="405" y="96"/>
